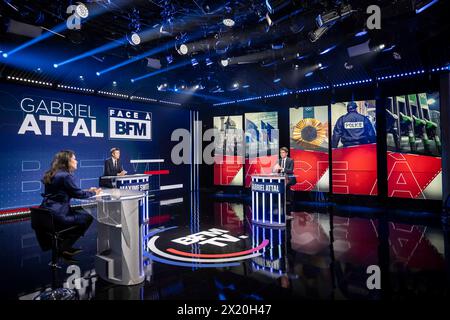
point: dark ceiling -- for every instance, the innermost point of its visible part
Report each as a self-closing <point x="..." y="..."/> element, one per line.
<point x="262" y="58"/>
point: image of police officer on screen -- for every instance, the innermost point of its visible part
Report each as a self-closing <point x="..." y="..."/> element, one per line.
<point x="353" y="128"/>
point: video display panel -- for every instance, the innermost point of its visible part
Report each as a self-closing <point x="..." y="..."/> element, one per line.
<point x="261" y="143"/>
<point x="309" y="147"/>
<point x="354" y="148"/>
<point x="414" y="147"/>
<point x="228" y="151"/>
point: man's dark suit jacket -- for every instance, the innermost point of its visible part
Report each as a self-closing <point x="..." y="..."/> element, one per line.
<point x="110" y="170"/>
<point x="288" y="166"/>
<point x="289" y="170"/>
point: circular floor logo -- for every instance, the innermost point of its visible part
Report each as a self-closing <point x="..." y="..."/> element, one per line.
<point x="211" y="248"/>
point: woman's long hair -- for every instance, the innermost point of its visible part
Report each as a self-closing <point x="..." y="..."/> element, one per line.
<point x="60" y="162"/>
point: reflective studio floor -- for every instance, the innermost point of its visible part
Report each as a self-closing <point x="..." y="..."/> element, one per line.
<point x="320" y="255"/>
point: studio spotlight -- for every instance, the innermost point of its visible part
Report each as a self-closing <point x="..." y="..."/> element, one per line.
<point x="98" y="74"/>
<point x="224" y="62"/>
<point x="331" y="17"/>
<point x="319" y="65"/>
<point x="114" y="83"/>
<point x="228" y="22"/>
<point x="183" y="50"/>
<point x="326" y="18"/>
<point x="134" y="39"/>
<point x="316" y="34"/>
<point x="81" y="78"/>
<point x="235" y="85"/>
<point x="5" y="55"/>
<point x="82" y="11"/>
<point x="228" y="19"/>
<point x="162" y="87"/>
<point x="381" y="46"/>
<point x="55" y="65"/>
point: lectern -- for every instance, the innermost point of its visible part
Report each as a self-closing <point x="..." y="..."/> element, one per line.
<point x="119" y="241"/>
<point x="269" y="200"/>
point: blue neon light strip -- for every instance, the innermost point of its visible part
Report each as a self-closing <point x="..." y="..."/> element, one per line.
<point x="426" y="6"/>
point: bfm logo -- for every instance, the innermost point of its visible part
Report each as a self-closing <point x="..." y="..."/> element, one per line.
<point x="130" y="124"/>
<point x="215" y="237"/>
<point x="189" y="257"/>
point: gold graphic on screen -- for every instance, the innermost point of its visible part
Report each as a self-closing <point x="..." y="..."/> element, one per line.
<point x="309" y="132"/>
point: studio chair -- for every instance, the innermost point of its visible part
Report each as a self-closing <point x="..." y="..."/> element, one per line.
<point x="50" y="238"/>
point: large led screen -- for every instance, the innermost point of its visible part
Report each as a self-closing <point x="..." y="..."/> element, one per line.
<point x="261" y="143"/>
<point x="228" y="151"/>
<point x="309" y="148"/>
<point x="354" y="148"/>
<point x="414" y="146"/>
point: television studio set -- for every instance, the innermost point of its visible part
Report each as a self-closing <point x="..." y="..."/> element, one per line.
<point x="247" y="151"/>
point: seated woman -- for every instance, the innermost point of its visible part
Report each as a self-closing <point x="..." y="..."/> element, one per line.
<point x="60" y="187"/>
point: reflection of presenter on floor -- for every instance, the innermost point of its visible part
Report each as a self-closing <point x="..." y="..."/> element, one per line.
<point x="113" y="165"/>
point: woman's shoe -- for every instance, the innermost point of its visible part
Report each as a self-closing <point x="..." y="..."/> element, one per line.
<point x="68" y="258"/>
<point x="72" y="251"/>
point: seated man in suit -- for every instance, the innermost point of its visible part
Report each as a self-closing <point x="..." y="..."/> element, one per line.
<point x="113" y="165"/>
<point x="285" y="166"/>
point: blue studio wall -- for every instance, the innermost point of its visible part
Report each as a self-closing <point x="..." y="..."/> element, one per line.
<point x="36" y="123"/>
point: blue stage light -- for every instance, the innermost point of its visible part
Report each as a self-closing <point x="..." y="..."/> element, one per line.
<point x="425" y="7"/>
<point x="98" y="74"/>
<point x="5" y="55"/>
<point x="173" y="67"/>
<point x="361" y="33"/>
<point x="55" y="65"/>
<point x="103" y="48"/>
<point x="328" y="50"/>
